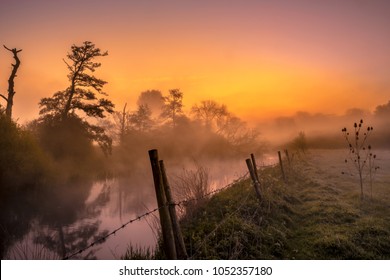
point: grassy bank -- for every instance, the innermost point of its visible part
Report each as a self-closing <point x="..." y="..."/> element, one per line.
<point x="317" y="214"/>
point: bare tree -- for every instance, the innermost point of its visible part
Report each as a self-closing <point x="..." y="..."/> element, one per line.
<point x="121" y="125"/>
<point x="209" y="111"/>
<point x="237" y="132"/>
<point x="11" y="91"/>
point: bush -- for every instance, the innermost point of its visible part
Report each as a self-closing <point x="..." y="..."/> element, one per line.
<point x="299" y="143"/>
<point x="22" y="162"/>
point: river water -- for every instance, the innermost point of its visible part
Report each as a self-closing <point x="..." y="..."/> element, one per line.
<point x="74" y="217"/>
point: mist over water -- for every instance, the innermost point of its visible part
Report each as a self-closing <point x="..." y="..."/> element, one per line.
<point x="65" y="226"/>
<point x="80" y="170"/>
<point x="87" y="195"/>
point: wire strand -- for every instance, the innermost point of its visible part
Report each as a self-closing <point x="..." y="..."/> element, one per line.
<point x="102" y="239"/>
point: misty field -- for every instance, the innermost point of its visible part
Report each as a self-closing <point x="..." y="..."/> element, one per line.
<point x="204" y="83"/>
<point x="317" y="214"/>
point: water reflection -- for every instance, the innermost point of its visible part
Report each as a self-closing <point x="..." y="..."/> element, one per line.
<point x="129" y="197"/>
<point x="57" y="221"/>
<point x="14" y="217"/>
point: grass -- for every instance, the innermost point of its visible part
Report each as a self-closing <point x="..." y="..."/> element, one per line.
<point x="317" y="214"/>
<point x="138" y="253"/>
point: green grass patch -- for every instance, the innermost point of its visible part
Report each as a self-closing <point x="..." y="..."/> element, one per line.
<point x="310" y="217"/>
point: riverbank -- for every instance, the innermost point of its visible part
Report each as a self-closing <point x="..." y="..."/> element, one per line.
<point x="316" y="214"/>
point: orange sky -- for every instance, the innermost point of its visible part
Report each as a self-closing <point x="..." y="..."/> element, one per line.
<point x="260" y="58"/>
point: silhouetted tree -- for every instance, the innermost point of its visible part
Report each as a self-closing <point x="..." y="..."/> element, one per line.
<point x="382" y="120"/>
<point x="81" y="96"/>
<point x="356" y="112"/>
<point x="23" y="171"/>
<point x="383" y="110"/>
<point x="121" y="123"/>
<point x="209" y="111"/>
<point x="11" y="91"/>
<point x="22" y="162"/>
<point x="153" y="99"/>
<point x="236" y="131"/>
<point x="141" y="120"/>
<point x="229" y="126"/>
<point x="173" y="107"/>
<point x="84" y="87"/>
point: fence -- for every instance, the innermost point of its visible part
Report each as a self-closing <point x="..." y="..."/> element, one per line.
<point x="173" y="243"/>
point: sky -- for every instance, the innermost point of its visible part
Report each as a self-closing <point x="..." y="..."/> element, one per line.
<point x="261" y="58"/>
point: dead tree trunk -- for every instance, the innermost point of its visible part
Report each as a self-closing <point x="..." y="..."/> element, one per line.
<point x="11" y="83"/>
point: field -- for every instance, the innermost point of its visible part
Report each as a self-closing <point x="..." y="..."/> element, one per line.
<point x="316" y="214"/>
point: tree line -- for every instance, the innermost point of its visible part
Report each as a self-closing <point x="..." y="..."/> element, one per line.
<point x="74" y="119"/>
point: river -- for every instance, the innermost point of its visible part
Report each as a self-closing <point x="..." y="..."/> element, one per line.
<point x="72" y="218"/>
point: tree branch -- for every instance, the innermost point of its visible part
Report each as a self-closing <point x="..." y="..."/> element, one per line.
<point x="69" y="67"/>
<point x="6" y="99"/>
<point x="14" y="50"/>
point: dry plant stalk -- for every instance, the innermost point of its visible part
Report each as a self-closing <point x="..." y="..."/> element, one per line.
<point x="192" y="186"/>
<point x="360" y="153"/>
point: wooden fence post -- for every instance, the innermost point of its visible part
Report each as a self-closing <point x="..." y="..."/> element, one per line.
<point x="281" y="166"/>
<point x="165" y="219"/>
<point x="288" y="157"/>
<point x="255" y="167"/>
<point x="256" y="183"/>
<point x="179" y="241"/>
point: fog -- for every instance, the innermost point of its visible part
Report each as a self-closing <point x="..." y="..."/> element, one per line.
<point x="324" y="130"/>
<point x="60" y="192"/>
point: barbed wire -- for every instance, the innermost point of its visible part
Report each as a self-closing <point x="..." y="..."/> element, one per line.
<point x="102" y="239"/>
<point x="185" y="201"/>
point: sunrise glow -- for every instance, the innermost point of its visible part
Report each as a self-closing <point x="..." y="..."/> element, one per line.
<point x="262" y="59"/>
